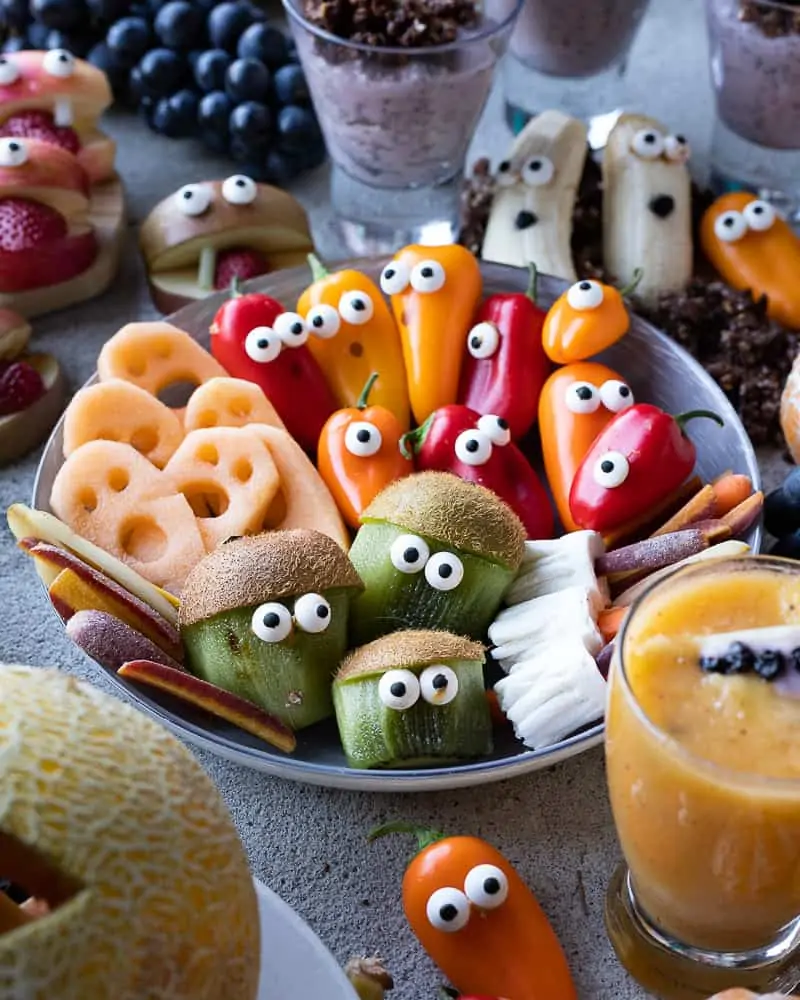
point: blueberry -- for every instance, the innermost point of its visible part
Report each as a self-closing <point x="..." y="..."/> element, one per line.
<point x="247" y="80"/>
<point x="214" y="111"/>
<point x="781" y="514"/>
<point x="185" y="104"/>
<point x="297" y="129"/>
<point x="210" y="69"/>
<point x="180" y="25"/>
<point x="794" y="659"/>
<point x="265" y="43"/>
<point x="76" y="42"/>
<point x="108" y="11"/>
<point x="129" y="38"/>
<point x="165" y="119"/>
<point x="162" y="72"/>
<point x="108" y="61"/>
<point x="787" y="546"/>
<point x="14" y="14"/>
<point x="37" y="36"/>
<point x="290" y="85"/>
<point x="15" y="43"/>
<point x="63" y="14"/>
<point x="280" y="168"/>
<point x="739" y="659"/>
<point x="768" y="663"/>
<point x="791" y="485"/>
<point x="226" y="22"/>
<point x="251" y="123"/>
<point x="712" y="664"/>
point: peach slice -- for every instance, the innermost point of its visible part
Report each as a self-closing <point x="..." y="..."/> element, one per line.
<point x="111" y="642"/>
<point x="44" y="173"/>
<point x="212" y="699"/>
<point x="23" y="431"/>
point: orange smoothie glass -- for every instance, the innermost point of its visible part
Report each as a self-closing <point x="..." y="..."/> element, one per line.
<point x="703" y="765"/>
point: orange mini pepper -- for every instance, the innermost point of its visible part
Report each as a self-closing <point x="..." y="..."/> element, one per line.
<point x="354" y="334"/>
<point x="434" y="292"/>
<point x="585" y="320"/>
<point x="359" y="454"/>
<point x="577" y="402"/>
<point x="478" y="921"/>
<point x="753" y="248"/>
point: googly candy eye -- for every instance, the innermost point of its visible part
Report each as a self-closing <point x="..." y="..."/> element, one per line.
<point x="483" y="340"/>
<point x="495" y="428"/>
<point x="409" y="553"/>
<point x="486" y="886"/>
<point x="730" y="226"/>
<point x="447" y="910"/>
<point x="677" y="149"/>
<point x="759" y="216"/>
<point x="59" y="62"/>
<point x="444" y="571"/>
<point x="9" y="71"/>
<point x="582" y="397"/>
<point x="262" y="345"/>
<point x="193" y="199"/>
<point x="312" y="613"/>
<point x="611" y="470"/>
<point x="616" y="396"/>
<point x="585" y="295"/>
<point x="271" y="622"/>
<point x="648" y="144"/>
<point x="323" y="321"/>
<point x="505" y="176"/>
<point x="427" y="276"/>
<point x="538" y="171"/>
<point x="291" y="328"/>
<point x="398" y="689"/>
<point x="473" y="447"/>
<point x="395" y="278"/>
<point x="363" y="439"/>
<point x="356" y="308"/>
<point x="13" y="152"/>
<point x="438" y="685"/>
<point x="239" y="190"/>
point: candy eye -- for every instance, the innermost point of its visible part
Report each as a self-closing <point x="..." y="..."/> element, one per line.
<point x="271" y="622"/>
<point x="486" y="886"/>
<point x="473" y="447"/>
<point x="438" y="685"/>
<point x="13" y="153"/>
<point x="193" y="199"/>
<point x="495" y="428"/>
<point x="444" y="571"/>
<point x="9" y="73"/>
<point x="585" y="295"/>
<point x="398" y="689"/>
<point x="59" y="62"/>
<point x="677" y="149"/>
<point x="363" y="439"/>
<point x="582" y="397"/>
<point x="730" y="227"/>
<point x="323" y="321"/>
<point x="759" y="215"/>
<point x="262" y="345"/>
<point x="356" y="308"/>
<point x="291" y="329"/>
<point x="648" y="144"/>
<point x="427" y="276"/>
<point x="239" y="190"/>
<point x="448" y="910"/>
<point x="312" y="613"/>
<point x="505" y="176"/>
<point x="611" y="470"/>
<point x="538" y="171"/>
<point x="616" y="396"/>
<point x="395" y="277"/>
<point x="409" y="553"/>
<point x="483" y="340"/>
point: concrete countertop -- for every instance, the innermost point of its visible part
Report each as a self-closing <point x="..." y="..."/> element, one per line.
<point x="308" y="844"/>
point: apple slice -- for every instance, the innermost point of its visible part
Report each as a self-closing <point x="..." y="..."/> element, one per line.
<point x="15" y="333"/>
<point x="212" y="699"/>
<point x="44" y="173"/>
<point x="25" y="522"/>
<point x="111" y="642"/>
<point x="80" y="587"/>
<point x="23" y="431"/>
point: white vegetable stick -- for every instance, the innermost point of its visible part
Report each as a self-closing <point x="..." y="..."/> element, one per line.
<point x="570" y="611"/>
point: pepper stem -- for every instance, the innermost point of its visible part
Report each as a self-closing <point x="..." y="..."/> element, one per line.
<point x="533" y="282"/>
<point x="415" y="438"/>
<point x="236" y="287"/>
<point x="424" y="837"/>
<point x="318" y="269"/>
<point x="683" y="418"/>
<point x="361" y="402"/>
<point x="633" y="284"/>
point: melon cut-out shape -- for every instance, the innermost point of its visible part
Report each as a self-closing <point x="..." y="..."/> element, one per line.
<point x="229" y="402"/>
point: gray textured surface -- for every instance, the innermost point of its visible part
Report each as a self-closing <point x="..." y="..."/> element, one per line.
<point x="308" y="844"/>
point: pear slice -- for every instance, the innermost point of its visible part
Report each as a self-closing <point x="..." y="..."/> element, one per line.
<point x="23" y="431"/>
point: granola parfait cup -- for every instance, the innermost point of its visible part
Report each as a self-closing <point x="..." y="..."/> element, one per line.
<point x="398" y="118"/>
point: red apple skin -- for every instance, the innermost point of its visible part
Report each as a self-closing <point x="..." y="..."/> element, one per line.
<point x="47" y="166"/>
<point x="111" y="642"/>
<point x="42" y="266"/>
<point x="212" y="699"/>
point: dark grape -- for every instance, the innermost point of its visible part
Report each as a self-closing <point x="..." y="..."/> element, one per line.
<point x="176" y="116"/>
<point x="165" y="119"/>
<point x="108" y="61"/>
<point x="14" y="14"/>
<point x="226" y="22"/>
<point x="63" y="14"/>
<point x="210" y="69"/>
<point x="281" y="167"/>
<point x="129" y="38"/>
<point x="297" y="129"/>
<point x="154" y="6"/>
<point x="247" y="80"/>
<point x="180" y="25"/>
<point x="37" y="35"/>
<point x="290" y="85"/>
<point x="788" y="546"/>
<point x="251" y="124"/>
<point x="76" y="42"/>
<point x="212" y="120"/>
<point x="15" y="43"/>
<point x="162" y="72"/>
<point x="265" y="43"/>
<point x="108" y="11"/>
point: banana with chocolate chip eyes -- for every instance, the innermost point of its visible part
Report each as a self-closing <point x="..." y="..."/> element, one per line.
<point x="531" y="215"/>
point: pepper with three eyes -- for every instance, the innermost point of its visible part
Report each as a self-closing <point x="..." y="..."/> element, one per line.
<point x="641" y="457"/>
<point x="479" y="450"/>
<point x="354" y="334"/>
<point x="478" y="921"/>
<point x="359" y="454"/>
<point x="254" y="338"/>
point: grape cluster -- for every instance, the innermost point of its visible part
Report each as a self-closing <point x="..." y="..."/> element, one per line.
<point x="192" y="68"/>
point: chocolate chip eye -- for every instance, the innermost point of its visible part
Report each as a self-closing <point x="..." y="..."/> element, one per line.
<point x="447" y="910"/>
<point x="438" y="684"/>
<point x="312" y="613"/>
<point x="504" y="175"/>
<point x="444" y="571"/>
<point x="486" y="886"/>
<point x="271" y="622"/>
<point x="363" y="439"/>
<point x="611" y="470"/>
<point x="582" y="397"/>
<point x="409" y="553"/>
<point x="398" y="689"/>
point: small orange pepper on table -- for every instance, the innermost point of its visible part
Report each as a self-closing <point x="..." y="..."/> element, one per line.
<point x="359" y="454"/>
<point x="435" y="292"/>
<point x="352" y="334"/>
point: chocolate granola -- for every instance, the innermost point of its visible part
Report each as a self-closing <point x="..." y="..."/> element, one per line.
<point x="394" y="23"/>
<point x="772" y="21"/>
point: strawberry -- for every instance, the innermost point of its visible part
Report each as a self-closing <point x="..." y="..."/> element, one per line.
<point x="40" y="125"/>
<point x="242" y="264"/>
<point x="25" y="224"/>
<point x="20" y="386"/>
<point x="37" y="248"/>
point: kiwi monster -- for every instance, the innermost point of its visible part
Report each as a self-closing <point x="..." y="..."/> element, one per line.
<point x="265" y="617"/>
<point x="413" y="699"/>
<point x="433" y="551"/>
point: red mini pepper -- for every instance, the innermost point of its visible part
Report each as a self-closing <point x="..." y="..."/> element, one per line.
<point x="641" y="456"/>
<point x="478" y="448"/>
<point x="505" y="366"/>
<point x="254" y="338"/>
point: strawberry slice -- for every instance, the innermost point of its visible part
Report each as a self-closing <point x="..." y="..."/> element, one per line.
<point x="25" y="224"/>
<point x="40" y="125"/>
<point x="241" y="264"/>
<point x="37" y="248"/>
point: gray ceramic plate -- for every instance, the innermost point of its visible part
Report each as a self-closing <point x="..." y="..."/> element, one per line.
<point x="658" y="371"/>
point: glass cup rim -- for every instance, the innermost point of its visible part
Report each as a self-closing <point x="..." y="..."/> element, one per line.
<point x="714" y="770"/>
<point x="290" y="6"/>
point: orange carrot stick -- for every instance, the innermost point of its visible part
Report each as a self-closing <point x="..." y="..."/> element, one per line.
<point x="610" y="622"/>
<point x="729" y="492"/>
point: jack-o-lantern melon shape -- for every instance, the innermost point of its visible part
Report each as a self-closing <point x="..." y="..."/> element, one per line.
<point x="139" y="886"/>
